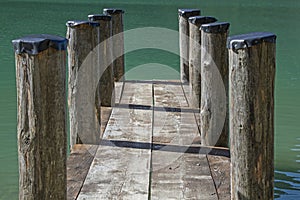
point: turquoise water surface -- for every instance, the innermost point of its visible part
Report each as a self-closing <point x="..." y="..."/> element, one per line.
<point x="19" y="18"/>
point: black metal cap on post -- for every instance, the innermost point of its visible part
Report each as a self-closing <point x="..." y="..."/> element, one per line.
<point x="199" y="20"/>
<point x="186" y="13"/>
<point x="250" y="39"/>
<point x="217" y="27"/>
<point x="34" y="44"/>
<point x="78" y="23"/>
<point x="112" y="11"/>
<point x="99" y="17"/>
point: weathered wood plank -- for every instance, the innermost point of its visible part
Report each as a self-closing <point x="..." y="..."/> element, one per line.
<point x="220" y="170"/>
<point x="78" y="165"/>
<point x="80" y="160"/>
<point x="169" y="96"/>
<point x="136" y="93"/>
<point x="121" y="166"/>
<point x="176" y="174"/>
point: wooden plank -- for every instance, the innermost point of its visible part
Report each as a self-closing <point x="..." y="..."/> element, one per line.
<point x="176" y="174"/>
<point x="80" y="160"/>
<point x="170" y="96"/>
<point x="78" y="165"/>
<point x="121" y="166"/>
<point x="220" y="170"/>
<point x="136" y="93"/>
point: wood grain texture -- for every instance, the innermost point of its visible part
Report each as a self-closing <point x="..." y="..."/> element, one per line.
<point x="121" y="166"/>
<point x="219" y="166"/>
<point x="252" y="73"/>
<point x="151" y="149"/>
<point x="183" y="46"/>
<point x="41" y="126"/>
<point x="80" y="160"/>
<point x="118" y="43"/>
<point x="195" y="57"/>
<point x="78" y="164"/>
<point x="176" y="174"/>
<point x="84" y="74"/>
<point x="214" y="89"/>
<point x="195" y="64"/>
<point x="106" y="82"/>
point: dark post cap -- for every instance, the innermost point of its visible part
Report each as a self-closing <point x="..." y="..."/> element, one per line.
<point x="78" y="23"/>
<point x="112" y="11"/>
<point x="99" y="17"/>
<point x="199" y="20"/>
<point x="186" y="13"/>
<point x="34" y="44"/>
<point x="217" y="27"/>
<point x="250" y="39"/>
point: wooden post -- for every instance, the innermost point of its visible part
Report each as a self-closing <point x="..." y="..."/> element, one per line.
<point x="84" y="75"/>
<point x="251" y="79"/>
<point x="106" y="83"/>
<point x="118" y="42"/>
<point x="214" y="84"/>
<point x="41" y="97"/>
<point x="195" y="57"/>
<point x="183" y="15"/>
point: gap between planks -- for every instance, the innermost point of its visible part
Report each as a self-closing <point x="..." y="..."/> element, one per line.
<point x="219" y="182"/>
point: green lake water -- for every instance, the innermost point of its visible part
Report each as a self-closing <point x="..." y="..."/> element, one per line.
<point x="282" y="17"/>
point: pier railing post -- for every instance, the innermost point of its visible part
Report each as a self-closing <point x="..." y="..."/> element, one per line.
<point x="84" y="73"/>
<point x="251" y="79"/>
<point x="118" y="41"/>
<point x="214" y="84"/>
<point x="106" y="84"/>
<point x="183" y="16"/>
<point x="41" y="97"/>
<point x="195" y="57"/>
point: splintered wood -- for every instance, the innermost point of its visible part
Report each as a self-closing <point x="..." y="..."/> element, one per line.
<point x="150" y="149"/>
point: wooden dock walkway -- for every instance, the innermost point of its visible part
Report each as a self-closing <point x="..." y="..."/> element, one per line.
<point x="149" y="144"/>
<point x="150" y="149"/>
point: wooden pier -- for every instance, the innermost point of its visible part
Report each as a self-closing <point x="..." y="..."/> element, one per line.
<point x="150" y="149"/>
<point x="146" y="139"/>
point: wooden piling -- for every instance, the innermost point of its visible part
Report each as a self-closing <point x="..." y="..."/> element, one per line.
<point x="106" y="83"/>
<point x="84" y="74"/>
<point x="183" y="16"/>
<point x="251" y="79"/>
<point x="41" y="97"/>
<point x="118" y="42"/>
<point x="214" y="84"/>
<point x="195" y="57"/>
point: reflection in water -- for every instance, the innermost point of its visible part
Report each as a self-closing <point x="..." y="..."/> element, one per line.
<point x="287" y="185"/>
